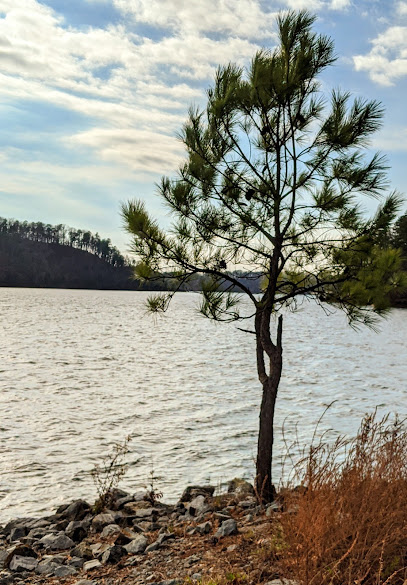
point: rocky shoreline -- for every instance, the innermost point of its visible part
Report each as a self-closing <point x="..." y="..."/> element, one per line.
<point x="140" y="540"/>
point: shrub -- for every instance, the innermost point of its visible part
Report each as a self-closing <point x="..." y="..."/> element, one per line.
<point x="348" y="522"/>
<point x="108" y="475"/>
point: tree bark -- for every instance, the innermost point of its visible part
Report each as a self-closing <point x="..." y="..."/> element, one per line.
<point x="264" y="486"/>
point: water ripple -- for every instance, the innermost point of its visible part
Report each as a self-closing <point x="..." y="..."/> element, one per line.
<point x="81" y="370"/>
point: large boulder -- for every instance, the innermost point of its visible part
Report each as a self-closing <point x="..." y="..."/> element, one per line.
<point x="21" y="564"/>
<point x="102" y="520"/>
<point x="17" y="533"/>
<point x="65" y="571"/>
<point x="137" y="545"/>
<point x="77" y="530"/>
<point x="197" y="506"/>
<point x="59" y="541"/>
<point x="21" y="551"/>
<point x="24" y="523"/>
<point x="83" y="551"/>
<point x="110" y="530"/>
<point x="240" y="487"/>
<point x="192" y="491"/>
<point x="227" y="528"/>
<point x="47" y="567"/>
<point x="113" y="554"/>
<point x="75" y="511"/>
<point x="90" y="565"/>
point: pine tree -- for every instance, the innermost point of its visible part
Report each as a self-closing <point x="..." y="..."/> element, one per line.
<point x="275" y="180"/>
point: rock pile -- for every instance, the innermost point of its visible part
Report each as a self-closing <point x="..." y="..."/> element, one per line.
<point x="135" y="534"/>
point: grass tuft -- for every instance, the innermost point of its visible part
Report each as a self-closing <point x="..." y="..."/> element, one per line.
<point x="347" y="524"/>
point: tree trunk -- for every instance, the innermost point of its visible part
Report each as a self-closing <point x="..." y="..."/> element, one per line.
<point x="264" y="486"/>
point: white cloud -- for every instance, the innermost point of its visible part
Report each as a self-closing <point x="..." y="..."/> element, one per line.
<point x="305" y="4"/>
<point x="121" y="80"/>
<point x="339" y="4"/>
<point x="142" y="150"/>
<point x="391" y="138"/>
<point x="118" y="79"/>
<point x="245" y="18"/>
<point x="402" y="8"/>
<point x="387" y="60"/>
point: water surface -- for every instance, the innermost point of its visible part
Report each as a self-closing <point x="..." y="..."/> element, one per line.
<point x="81" y="370"/>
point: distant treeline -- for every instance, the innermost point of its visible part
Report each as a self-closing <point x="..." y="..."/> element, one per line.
<point x="64" y="236"/>
<point x="35" y="254"/>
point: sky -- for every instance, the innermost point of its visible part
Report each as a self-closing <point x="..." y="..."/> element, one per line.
<point x="93" y="92"/>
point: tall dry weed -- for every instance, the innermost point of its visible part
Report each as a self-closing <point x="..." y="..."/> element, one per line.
<point x="347" y="524"/>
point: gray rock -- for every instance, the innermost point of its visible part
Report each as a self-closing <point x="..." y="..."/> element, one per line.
<point x="21" y="551"/>
<point x="110" y="530"/>
<point x="99" y="548"/>
<point x="90" y="565"/>
<point x="16" y="523"/>
<point x="121" y="501"/>
<point x="227" y="528"/>
<point x="36" y="533"/>
<point x="65" y="571"/>
<point x="3" y="556"/>
<point x="41" y="523"/>
<point x="138" y="545"/>
<point x="76" y="562"/>
<point x="17" y="533"/>
<point x="75" y="511"/>
<point x="196" y="577"/>
<point x="133" y="507"/>
<point x="192" y="491"/>
<point x="127" y="535"/>
<point x="198" y="506"/>
<point x="47" y="567"/>
<point x="113" y="554"/>
<point x="221" y="516"/>
<point x="59" y="559"/>
<point x="21" y="564"/>
<point x="59" y="541"/>
<point x="82" y="550"/>
<point x="272" y="508"/>
<point x="164" y="536"/>
<point x="240" y="487"/>
<point x="77" y="530"/>
<point x="139" y="496"/>
<point x="7" y="579"/>
<point x="248" y="503"/>
<point x="152" y="547"/>
<point x="204" y="528"/>
<point x="144" y="512"/>
<point x="102" y="520"/>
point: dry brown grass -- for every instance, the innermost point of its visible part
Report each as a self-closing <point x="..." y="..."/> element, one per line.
<point x="348" y="523"/>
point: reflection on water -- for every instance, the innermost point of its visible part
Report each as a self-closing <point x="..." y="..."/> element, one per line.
<point x="80" y="370"/>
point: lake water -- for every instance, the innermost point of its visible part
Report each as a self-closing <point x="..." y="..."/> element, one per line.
<point x="81" y="370"/>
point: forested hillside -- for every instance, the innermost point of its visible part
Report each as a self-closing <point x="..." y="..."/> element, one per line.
<point x="42" y="255"/>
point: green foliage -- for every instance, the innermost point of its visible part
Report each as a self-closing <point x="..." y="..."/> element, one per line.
<point x="399" y="234"/>
<point x="274" y="179"/>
